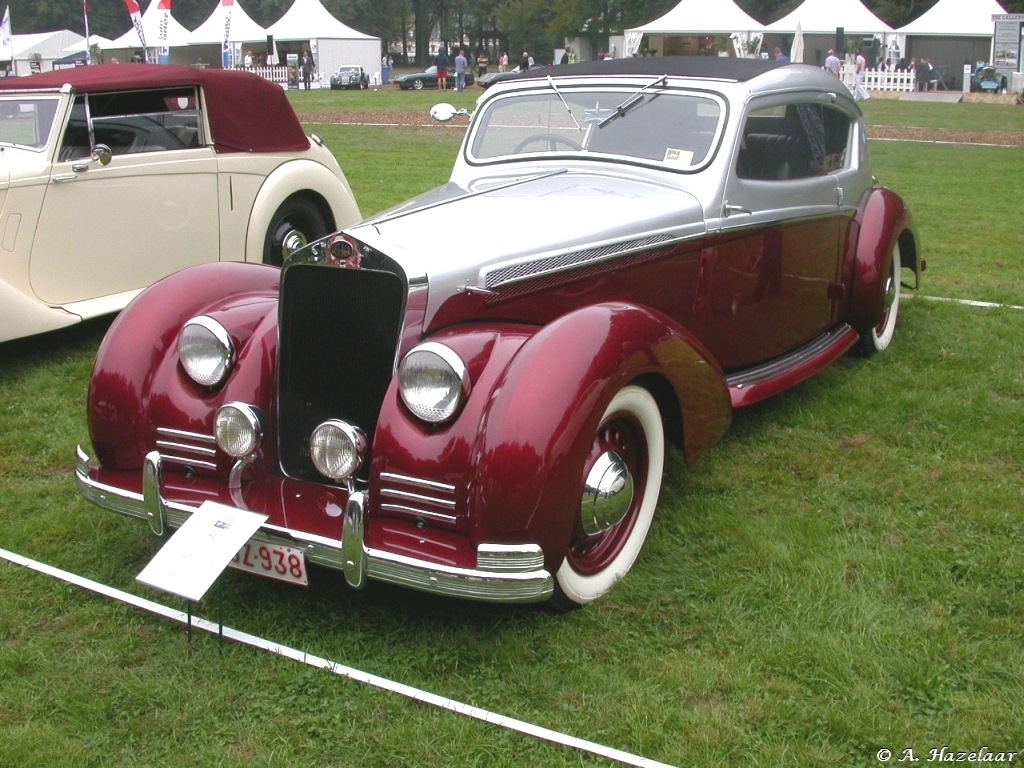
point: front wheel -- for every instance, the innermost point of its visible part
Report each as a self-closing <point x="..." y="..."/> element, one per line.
<point x="417" y="85"/>
<point x="879" y="338"/>
<point x="621" y="481"/>
<point x="295" y="224"/>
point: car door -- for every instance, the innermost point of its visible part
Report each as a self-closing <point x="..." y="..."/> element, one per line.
<point x="108" y="229"/>
<point x="776" y="255"/>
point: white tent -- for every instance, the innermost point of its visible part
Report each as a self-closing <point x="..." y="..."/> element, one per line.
<point x="955" y="18"/>
<point x="128" y="43"/>
<point x="207" y="40"/>
<point x="41" y="47"/>
<point x="242" y="30"/>
<point x="701" y="17"/>
<point x="331" y="42"/>
<point x="821" y="17"/>
<point x="689" y="19"/>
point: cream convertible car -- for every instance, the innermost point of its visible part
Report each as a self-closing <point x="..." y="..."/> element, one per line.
<point x="112" y="177"/>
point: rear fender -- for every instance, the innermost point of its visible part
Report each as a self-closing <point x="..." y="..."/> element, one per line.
<point x="302" y="178"/>
<point x="137" y="383"/>
<point x="543" y="413"/>
<point x="882" y="220"/>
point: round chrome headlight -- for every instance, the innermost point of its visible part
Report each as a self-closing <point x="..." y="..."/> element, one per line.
<point x="206" y="351"/>
<point x="238" y="429"/>
<point x="337" y="449"/>
<point x="433" y="382"/>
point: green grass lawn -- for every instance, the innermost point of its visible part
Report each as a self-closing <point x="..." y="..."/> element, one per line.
<point x="843" y="573"/>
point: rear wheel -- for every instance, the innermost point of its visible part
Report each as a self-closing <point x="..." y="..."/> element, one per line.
<point x="295" y="224"/>
<point x="879" y="338"/>
<point x="621" y="482"/>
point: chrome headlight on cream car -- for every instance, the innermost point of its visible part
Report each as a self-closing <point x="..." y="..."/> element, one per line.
<point x="433" y="382"/>
<point x="206" y="351"/>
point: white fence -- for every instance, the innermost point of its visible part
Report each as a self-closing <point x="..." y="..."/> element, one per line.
<point x="880" y="79"/>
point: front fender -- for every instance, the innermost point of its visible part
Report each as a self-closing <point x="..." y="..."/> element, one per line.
<point x="136" y="383"/>
<point x="329" y="191"/>
<point x="544" y="412"/>
<point x="882" y="220"/>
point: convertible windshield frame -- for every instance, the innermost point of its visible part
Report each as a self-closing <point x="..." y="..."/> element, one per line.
<point x="670" y="128"/>
<point x="27" y="121"/>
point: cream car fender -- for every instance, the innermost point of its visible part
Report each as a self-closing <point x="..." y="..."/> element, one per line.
<point x="299" y="177"/>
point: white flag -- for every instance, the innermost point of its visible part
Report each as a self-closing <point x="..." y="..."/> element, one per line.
<point x="6" y="46"/>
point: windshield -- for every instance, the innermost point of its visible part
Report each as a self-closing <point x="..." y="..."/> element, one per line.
<point x="677" y="129"/>
<point x="27" y="121"/>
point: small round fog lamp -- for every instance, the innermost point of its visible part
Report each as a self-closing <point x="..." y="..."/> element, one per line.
<point x="337" y="449"/>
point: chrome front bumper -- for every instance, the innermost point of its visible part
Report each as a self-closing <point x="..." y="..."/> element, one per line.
<point x="504" y="574"/>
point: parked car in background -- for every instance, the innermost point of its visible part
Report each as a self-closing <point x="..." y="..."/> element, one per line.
<point x="350" y="76"/>
<point x="986" y="79"/>
<point x="660" y="241"/>
<point x="486" y="81"/>
<point x="115" y="176"/>
<point x="427" y="79"/>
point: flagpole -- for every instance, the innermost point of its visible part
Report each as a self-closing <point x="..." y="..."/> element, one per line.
<point x="85" y="14"/>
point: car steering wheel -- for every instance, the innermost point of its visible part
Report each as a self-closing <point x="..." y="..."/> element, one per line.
<point x="551" y="139"/>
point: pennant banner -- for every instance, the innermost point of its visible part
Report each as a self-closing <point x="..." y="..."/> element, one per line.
<point x="6" y="46"/>
<point x="163" y="51"/>
<point x="225" y="48"/>
<point x="136" y="16"/>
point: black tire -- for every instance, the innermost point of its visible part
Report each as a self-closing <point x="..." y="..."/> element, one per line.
<point x="295" y="224"/>
<point x="417" y="85"/>
<point x="878" y="339"/>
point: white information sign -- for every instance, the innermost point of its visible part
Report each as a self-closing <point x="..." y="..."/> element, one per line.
<point x="197" y="553"/>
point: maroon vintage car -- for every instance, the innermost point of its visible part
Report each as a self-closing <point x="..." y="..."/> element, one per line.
<point x="658" y="242"/>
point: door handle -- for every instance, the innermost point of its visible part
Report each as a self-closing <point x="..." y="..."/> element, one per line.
<point x="65" y="177"/>
<point x="731" y="209"/>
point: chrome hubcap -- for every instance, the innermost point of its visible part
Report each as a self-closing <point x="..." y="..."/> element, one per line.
<point x="607" y="494"/>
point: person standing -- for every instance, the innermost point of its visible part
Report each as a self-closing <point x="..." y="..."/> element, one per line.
<point x="481" y="63"/>
<point x="307" y="69"/>
<point x="441" y="62"/>
<point x="524" y="63"/>
<point x="832" y="63"/>
<point x="460" y="71"/>
<point x="503" y="61"/>
<point x="860" y="92"/>
<point x="780" y="57"/>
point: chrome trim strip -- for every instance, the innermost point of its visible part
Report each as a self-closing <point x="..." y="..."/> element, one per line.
<point x="201" y="450"/>
<point x="510" y="586"/>
<point x="407" y="480"/>
<point x="563" y="262"/>
<point x="393" y="493"/>
<point x="191" y="462"/>
<point x="418" y="512"/>
<point x="182" y="434"/>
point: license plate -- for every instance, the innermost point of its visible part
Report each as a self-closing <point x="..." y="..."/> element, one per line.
<point x="275" y="561"/>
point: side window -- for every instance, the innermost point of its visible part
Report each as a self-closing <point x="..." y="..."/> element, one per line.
<point x="75" y="143"/>
<point x="794" y="141"/>
<point x="146" y="121"/>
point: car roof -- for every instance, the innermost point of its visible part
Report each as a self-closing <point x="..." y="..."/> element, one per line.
<point x="707" y="67"/>
<point x="246" y="112"/>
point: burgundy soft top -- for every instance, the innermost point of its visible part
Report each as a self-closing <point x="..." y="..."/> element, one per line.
<point x="246" y="112"/>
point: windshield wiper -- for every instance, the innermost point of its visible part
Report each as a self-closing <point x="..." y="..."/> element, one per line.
<point x="564" y="104"/>
<point x="636" y="98"/>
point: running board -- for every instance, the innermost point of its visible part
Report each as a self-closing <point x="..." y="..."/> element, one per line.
<point x="752" y="385"/>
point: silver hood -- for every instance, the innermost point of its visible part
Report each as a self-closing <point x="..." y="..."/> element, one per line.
<point x="457" y="238"/>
